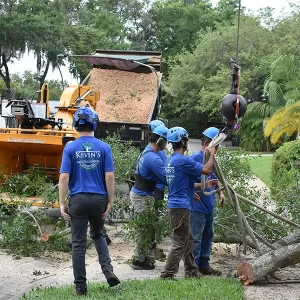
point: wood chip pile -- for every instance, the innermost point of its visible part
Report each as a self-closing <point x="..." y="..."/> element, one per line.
<point x="124" y="96"/>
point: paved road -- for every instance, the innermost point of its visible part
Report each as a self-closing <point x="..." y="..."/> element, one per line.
<point x="196" y="144"/>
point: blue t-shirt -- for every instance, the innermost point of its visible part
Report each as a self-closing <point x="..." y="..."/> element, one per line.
<point x="207" y="202"/>
<point x="163" y="155"/>
<point x="87" y="159"/>
<point x="151" y="167"/>
<point x="181" y="172"/>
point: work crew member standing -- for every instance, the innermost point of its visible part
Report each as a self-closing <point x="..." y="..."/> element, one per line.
<point x="181" y="170"/>
<point x="87" y="169"/>
<point x="159" y="192"/>
<point x="202" y="215"/>
<point x="149" y="168"/>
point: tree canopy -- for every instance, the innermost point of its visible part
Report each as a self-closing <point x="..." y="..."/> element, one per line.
<point x="196" y="54"/>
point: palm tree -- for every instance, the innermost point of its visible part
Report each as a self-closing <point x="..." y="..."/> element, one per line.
<point x="280" y="89"/>
<point x="286" y="121"/>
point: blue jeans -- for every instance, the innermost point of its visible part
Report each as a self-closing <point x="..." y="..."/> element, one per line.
<point x="87" y="208"/>
<point x="203" y="233"/>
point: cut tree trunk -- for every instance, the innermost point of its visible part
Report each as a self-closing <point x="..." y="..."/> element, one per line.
<point x="258" y="268"/>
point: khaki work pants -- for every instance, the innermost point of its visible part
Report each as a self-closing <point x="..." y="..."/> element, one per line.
<point x="182" y="245"/>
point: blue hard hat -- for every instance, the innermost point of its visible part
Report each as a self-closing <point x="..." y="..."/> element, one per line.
<point x="176" y="134"/>
<point x="154" y="123"/>
<point x="211" y="132"/>
<point x="84" y="115"/>
<point x="161" y="130"/>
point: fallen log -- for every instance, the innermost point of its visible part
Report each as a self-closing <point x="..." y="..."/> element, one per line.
<point x="232" y="239"/>
<point x="258" y="268"/>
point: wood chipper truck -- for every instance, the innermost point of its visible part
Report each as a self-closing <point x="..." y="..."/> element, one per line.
<point x="129" y="83"/>
<point x="123" y="87"/>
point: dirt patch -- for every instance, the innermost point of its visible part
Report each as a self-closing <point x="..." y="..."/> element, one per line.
<point x="21" y="276"/>
<point x="124" y="96"/>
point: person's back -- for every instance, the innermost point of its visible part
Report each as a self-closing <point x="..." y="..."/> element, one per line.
<point x="90" y="159"/>
<point x="151" y="168"/>
<point x="87" y="170"/>
<point x="181" y="186"/>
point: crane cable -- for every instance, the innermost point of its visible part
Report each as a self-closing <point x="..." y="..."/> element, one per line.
<point x="237" y="106"/>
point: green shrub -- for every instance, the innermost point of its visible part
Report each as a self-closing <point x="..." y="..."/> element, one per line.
<point x="124" y="155"/>
<point x="21" y="236"/>
<point x="286" y="159"/>
<point x="285" y="167"/>
<point x="285" y="176"/>
<point x="33" y="183"/>
<point x="144" y="224"/>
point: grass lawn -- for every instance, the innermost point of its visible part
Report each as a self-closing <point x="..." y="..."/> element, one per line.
<point x="261" y="167"/>
<point x="205" y="288"/>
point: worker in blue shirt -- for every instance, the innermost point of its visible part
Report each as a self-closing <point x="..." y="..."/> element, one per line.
<point x="87" y="170"/>
<point x="160" y="186"/>
<point x="180" y="172"/>
<point x="202" y="215"/>
<point x="149" y="169"/>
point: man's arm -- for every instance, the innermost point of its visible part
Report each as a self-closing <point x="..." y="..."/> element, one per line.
<point x="221" y="196"/>
<point x="208" y="167"/>
<point x="110" y="188"/>
<point x="159" y="169"/>
<point x="63" y="189"/>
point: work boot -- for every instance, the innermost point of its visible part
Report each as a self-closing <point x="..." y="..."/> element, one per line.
<point x="111" y="279"/>
<point x="210" y="271"/>
<point x="145" y="265"/>
<point x="82" y="292"/>
<point x="167" y="276"/>
<point x="193" y="275"/>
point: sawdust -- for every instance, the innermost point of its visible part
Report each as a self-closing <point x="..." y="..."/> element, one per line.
<point x="124" y="96"/>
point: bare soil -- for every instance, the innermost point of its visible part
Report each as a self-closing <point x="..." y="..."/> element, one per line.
<point x="18" y="277"/>
<point x="124" y="96"/>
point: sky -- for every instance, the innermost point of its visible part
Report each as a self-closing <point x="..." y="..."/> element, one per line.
<point x="28" y="62"/>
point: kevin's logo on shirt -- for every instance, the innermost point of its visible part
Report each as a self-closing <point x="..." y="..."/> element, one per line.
<point x="87" y="158"/>
<point x="170" y="173"/>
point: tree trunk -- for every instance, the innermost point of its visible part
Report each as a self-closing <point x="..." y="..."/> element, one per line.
<point x="233" y="239"/>
<point x="42" y="78"/>
<point x="258" y="268"/>
<point x="6" y="77"/>
<point x="293" y="238"/>
<point x="268" y="144"/>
